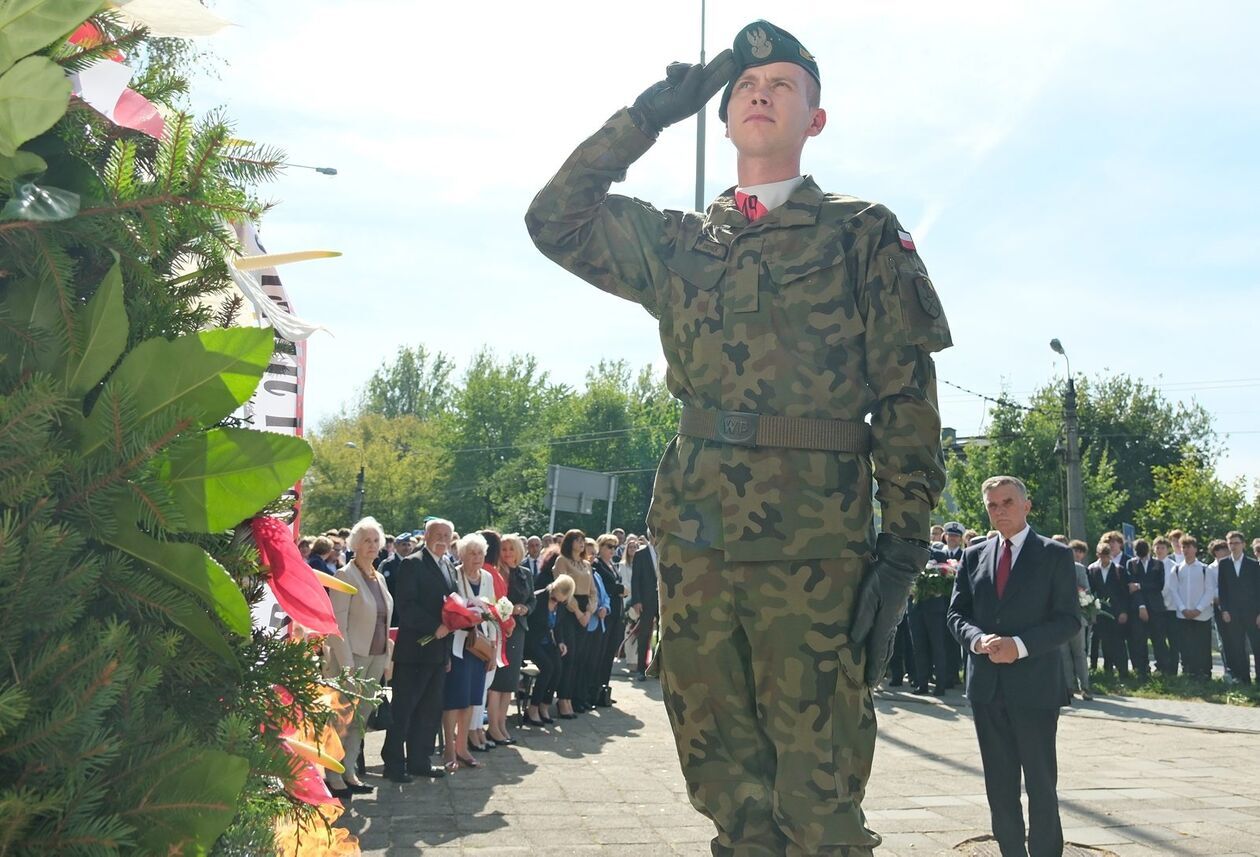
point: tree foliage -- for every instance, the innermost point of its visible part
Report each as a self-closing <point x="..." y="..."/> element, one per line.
<point x="1133" y="442"/>
<point x="134" y="689"/>
<point x="1194" y="500"/>
<point x="482" y="460"/>
<point x="414" y="384"/>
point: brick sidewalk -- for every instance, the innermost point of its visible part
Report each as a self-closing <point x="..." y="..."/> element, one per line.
<point x="609" y="782"/>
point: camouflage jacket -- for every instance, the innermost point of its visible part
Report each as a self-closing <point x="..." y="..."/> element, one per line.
<point x="816" y="310"/>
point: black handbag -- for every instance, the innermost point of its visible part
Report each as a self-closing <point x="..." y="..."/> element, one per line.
<point x="381" y="717"/>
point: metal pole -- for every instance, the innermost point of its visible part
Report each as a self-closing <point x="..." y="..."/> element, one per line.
<point x="358" y="496"/>
<point x="555" y="493"/>
<point x="1075" y="486"/>
<point x="612" y="495"/>
<point x="700" y="128"/>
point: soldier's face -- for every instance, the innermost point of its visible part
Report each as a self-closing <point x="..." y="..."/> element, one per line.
<point x="769" y="112"/>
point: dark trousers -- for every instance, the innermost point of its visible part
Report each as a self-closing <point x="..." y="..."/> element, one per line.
<point x="615" y="632"/>
<point x="902" y="662"/>
<point x="930" y="638"/>
<point x="547" y="658"/>
<point x="1234" y="637"/>
<point x="417" y="716"/>
<point x="1171" y="646"/>
<point x="1110" y="634"/>
<point x="1015" y="739"/>
<point x="573" y="636"/>
<point x="1137" y="633"/>
<point x="1195" y="643"/>
<point x="643" y="638"/>
<point x="590" y="650"/>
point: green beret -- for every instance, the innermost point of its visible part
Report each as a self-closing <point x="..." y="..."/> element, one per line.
<point x="761" y="43"/>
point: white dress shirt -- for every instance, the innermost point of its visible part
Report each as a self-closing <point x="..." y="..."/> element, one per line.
<point x="1192" y="586"/>
<point x="1017" y="543"/>
<point x="772" y="194"/>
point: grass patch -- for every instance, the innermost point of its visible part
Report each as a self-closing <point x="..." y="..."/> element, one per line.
<point x="1177" y="687"/>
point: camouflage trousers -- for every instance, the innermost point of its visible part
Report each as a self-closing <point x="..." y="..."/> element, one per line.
<point x="774" y="725"/>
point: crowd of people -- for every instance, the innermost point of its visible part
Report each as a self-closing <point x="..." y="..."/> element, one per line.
<point x="1153" y="606"/>
<point x="567" y="604"/>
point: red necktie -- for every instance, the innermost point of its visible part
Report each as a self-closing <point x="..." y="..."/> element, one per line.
<point x="1004" y="568"/>
<point x="749" y="205"/>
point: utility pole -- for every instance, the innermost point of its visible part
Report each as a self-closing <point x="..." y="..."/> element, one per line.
<point x="700" y="128"/>
<point x="356" y="505"/>
<point x="1071" y="428"/>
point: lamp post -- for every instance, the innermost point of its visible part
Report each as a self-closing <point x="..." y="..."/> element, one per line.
<point x="356" y="505"/>
<point x="1075" y="485"/>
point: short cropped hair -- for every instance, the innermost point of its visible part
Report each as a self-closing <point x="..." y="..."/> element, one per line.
<point x="1142" y="547"/>
<point x="1174" y="535"/>
<point x="1078" y="545"/>
<point x="438" y="522"/>
<point x="472" y="540"/>
<point x="365" y="526"/>
<point x="1235" y="534"/>
<point x="1103" y="549"/>
<point x="995" y="481"/>
<point x="1188" y="540"/>
<point x="607" y="539"/>
<point x="1163" y="541"/>
<point x="321" y="546"/>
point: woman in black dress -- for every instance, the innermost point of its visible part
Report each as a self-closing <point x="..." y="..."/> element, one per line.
<point x="520" y="591"/>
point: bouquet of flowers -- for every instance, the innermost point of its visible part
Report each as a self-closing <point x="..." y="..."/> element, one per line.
<point x="1091" y="606"/>
<point x="457" y="614"/>
<point x="936" y="578"/>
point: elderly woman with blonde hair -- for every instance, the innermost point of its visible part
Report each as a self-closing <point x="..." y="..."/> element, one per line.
<point x="363" y="647"/>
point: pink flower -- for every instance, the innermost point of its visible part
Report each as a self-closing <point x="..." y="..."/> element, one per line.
<point x="292" y="581"/>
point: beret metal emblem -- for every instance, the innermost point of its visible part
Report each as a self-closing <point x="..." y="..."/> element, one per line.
<point x="927" y="296"/>
<point x="760" y="43"/>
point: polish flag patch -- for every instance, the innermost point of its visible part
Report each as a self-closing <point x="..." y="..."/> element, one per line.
<point x="907" y="243"/>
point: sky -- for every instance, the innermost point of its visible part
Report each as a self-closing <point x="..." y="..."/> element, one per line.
<point x="1076" y="170"/>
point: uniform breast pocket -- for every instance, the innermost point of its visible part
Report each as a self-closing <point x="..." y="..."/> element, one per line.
<point x="814" y="304"/>
<point x="691" y="320"/>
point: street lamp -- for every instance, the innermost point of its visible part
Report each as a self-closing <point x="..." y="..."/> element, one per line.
<point x="1075" y="485"/>
<point x="356" y="507"/>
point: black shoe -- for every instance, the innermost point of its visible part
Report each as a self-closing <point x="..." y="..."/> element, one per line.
<point x="547" y="721"/>
<point x="341" y="794"/>
<point x="506" y="742"/>
<point x="896" y="683"/>
<point x="432" y="771"/>
<point x="399" y="777"/>
<point x="640" y="676"/>
<point x="921" y="690"/>
<point x="938" y="691"/>
<point x="537" y="724"/>
<point x="361" y="788"/>
<point x="476" y="749"/>
<point x="567" y="716"/>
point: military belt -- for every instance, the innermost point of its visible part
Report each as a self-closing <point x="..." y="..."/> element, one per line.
<point x="744" y="429"/>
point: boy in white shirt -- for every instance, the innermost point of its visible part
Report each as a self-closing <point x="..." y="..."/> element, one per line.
<point x="1192" y="590"/>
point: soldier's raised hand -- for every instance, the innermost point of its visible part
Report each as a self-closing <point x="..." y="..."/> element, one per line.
<point x="687" y="87"/>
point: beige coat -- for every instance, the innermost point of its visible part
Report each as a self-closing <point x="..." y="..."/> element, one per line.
<point x="356" y="617"/>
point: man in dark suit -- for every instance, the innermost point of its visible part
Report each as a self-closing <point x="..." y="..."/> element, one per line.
<point x="643" y="596"/>
<point x="389" y="568"/>
<point x="1107" y="581"/>
<point x="1238" y="587"/>
<point x="424" y="579"/>
<point x="1145" y="576"/>
<point x="1014" y="605"/>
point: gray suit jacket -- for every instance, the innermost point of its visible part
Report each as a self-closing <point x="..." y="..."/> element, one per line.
<point x="356" y="617"/>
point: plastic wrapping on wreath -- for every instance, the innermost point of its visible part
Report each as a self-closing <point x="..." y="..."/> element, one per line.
<point x="35" y="202"/>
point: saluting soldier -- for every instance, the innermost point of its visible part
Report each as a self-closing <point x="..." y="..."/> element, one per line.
<point x="787" y="316"/>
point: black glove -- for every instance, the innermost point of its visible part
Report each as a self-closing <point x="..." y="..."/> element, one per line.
<point x="685" y="89"/>
<point x="881" y="599"/>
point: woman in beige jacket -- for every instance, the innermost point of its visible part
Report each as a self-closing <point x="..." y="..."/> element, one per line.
<point x="364" y="644"/>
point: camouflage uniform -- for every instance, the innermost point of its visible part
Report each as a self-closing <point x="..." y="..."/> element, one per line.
<point x="820" y="309"/>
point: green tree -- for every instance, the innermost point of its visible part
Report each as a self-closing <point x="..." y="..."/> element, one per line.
<point x="1194" y="500"/>
<point x="415" y="384"/>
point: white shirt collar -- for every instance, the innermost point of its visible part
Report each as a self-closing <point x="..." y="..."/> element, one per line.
<point x="772" y="194"/>
<point x="1017" y="540"/>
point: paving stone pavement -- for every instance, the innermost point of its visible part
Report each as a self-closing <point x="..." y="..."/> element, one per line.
<point x="608" y="783"/>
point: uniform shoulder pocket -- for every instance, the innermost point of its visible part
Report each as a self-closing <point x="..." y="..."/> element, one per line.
<point x="923" y="319"/>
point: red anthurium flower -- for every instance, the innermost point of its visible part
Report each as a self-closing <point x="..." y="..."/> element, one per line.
<point x="291" y="580"/>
